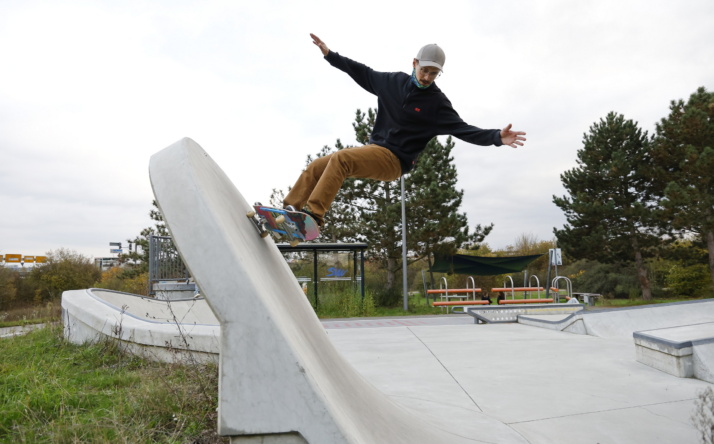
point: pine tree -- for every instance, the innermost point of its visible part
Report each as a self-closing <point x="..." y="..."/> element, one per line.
<point x="139" y="257"/>
<point x="378" y="208"/>
<point x="610" y="211"/>
<point x="435" y="226"/>
<point x="370" y="210"/>
<point x="684" y="162"/>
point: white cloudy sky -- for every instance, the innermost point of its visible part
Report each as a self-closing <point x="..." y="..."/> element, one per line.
<point x="89" y="90"/>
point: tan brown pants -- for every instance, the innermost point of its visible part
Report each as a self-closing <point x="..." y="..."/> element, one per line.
<point x="318" y="185"/>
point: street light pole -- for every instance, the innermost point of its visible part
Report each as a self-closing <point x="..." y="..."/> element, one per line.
<point x="404" y="250"/>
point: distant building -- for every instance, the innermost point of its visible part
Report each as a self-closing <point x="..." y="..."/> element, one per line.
<point x="105" y="263"/>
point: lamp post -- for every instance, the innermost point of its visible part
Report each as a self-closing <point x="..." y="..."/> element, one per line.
<point x="404" y="250"/>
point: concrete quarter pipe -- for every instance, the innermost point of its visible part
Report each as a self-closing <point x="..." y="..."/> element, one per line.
<point x="281" y="379"/>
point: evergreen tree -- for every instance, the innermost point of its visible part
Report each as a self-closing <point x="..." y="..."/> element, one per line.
<point x="435" y="226"/>
<point x="370" y="210"/>
<point x="139" y="257"/>
<point x="684" y="162"/>
<point x="378" y="208"/>
<point x="610" y="211"/>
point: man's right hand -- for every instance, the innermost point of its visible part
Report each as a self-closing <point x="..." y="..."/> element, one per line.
<point x="320" y="44"/>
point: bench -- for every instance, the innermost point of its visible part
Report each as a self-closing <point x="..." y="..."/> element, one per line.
<point x="525" y="301"/>
<point x="514" y="290"/>
<point x="587" y="298"/>
<point x="446" y="292"/>
<point x="457" y="293"/>
<point x="521" y="289"/>
<point x="458" y="303"/>
<point x="511" y="313"/>
<point x="451" y="305"/>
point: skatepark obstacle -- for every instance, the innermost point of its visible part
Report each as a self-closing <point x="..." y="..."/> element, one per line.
<point x="281" y="379"/>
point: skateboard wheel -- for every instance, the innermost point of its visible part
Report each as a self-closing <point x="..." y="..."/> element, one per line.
<point x="251" y="214"/>
<point x="294" y="243"/>
<point x="280" y="219"/>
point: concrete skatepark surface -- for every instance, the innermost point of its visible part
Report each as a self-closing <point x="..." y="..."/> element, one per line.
<point x="505" y="383"/>
<point x="286" y="377"/>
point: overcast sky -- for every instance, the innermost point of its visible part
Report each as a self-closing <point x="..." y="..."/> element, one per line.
<point x="89" y="90"/>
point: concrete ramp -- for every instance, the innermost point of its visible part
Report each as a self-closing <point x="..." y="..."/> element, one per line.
<point x="281" y="379"/>
<point x="178" y="330"/>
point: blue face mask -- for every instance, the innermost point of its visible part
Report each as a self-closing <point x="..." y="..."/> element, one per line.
<point x="416" y="82"/>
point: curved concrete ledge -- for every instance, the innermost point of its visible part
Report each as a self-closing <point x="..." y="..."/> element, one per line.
<point x="623" y="322"/>
<point x="156" y="329"/>
<point x="281" y="379"/>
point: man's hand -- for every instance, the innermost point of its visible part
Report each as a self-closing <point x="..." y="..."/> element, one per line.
<point x="320" y="44"/>
<point x="513" y="139"/>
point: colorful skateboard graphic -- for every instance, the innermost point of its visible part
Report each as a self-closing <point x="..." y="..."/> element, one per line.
<point x="292" y="226"/>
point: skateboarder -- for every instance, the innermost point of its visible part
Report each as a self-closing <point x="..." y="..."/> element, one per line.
<point x="411" y="110"/>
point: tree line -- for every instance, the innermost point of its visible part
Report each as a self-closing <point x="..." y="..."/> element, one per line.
<point x="634" y="198"/>
<point x="637" y="205"/>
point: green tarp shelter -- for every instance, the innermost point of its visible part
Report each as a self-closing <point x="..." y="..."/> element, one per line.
<point x="482" y="266"/>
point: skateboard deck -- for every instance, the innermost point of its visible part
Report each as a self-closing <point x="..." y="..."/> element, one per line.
<point x="292" y="226"/>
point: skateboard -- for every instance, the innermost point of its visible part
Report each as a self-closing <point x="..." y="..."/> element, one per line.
<point x="293" y="226"/>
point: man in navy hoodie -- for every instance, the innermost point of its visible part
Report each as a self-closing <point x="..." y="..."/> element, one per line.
<point x="411" y="110"/>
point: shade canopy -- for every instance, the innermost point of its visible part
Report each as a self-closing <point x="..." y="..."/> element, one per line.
<point x="482" y="266"/>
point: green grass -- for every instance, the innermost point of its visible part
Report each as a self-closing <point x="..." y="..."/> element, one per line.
<point x="617" y="303"/>
<point x="349" y="304"/>
<point x="31" y="314"/>
<point x="55" y="392"/>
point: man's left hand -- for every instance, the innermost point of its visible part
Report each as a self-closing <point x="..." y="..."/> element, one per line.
<point x="514" y="139"/>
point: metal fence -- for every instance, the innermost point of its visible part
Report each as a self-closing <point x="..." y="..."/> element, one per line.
<point x="165" y="264"/>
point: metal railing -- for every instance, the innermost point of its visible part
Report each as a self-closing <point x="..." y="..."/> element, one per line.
<point x="165" y="264"/>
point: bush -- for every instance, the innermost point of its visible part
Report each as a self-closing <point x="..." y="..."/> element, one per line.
<point x="64" y="270"/>
<point x="116" y="279"/>
<point x="609" y="280"/>
<point x="689" y="281"/>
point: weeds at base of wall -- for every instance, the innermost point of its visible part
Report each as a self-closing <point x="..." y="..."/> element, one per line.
<point x="703" y="416"/>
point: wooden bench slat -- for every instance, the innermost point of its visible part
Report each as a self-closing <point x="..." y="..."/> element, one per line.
<point x="457" y="303"/>
<point x="508" y="289"/>
<point x="525" y="301"/>
<point x="456" y="290"/>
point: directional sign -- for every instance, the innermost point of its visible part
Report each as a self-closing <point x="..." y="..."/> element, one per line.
<point x="556" y="257"/>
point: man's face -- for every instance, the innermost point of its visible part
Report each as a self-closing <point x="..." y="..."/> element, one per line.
<point x="425" y="74"/>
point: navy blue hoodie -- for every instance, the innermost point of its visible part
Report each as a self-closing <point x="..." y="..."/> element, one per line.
<point x="409" y="117"/>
